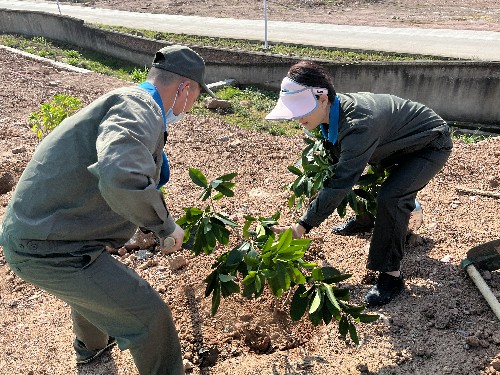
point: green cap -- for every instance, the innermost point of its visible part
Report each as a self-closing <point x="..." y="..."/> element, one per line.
<point x="183" y="61"/>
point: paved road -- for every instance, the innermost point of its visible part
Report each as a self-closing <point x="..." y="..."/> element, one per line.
<point x="465" y="44"/>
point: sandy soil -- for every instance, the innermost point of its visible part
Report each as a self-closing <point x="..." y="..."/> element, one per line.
<point x="447" y="14"/>
<point x="440" y="324"/>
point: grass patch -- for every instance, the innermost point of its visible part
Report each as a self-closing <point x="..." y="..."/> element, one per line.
<point x="76" y="56"/>
<point x="289" y="50"/>
<point x="249" y="106"/>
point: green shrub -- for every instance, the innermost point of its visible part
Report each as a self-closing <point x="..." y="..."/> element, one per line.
<point x="53" y="113"/>
<point x="264" y="259"/>
<point x="317" y="166"/>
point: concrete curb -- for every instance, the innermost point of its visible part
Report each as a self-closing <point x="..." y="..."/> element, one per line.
<point x="47" y="61"/>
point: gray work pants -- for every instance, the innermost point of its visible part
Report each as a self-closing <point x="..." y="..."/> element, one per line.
<point x="396" y="201"/>
<point x="106" y="298"/>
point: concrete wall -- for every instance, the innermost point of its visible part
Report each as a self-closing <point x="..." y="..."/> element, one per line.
<point x="464" y="91"/>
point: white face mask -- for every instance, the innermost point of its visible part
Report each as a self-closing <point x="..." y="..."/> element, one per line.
<point x="170" y="117"/>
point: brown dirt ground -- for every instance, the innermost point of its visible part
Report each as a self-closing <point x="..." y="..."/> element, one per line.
<point x="439" y="325"/>
<point x="448" y="14"/>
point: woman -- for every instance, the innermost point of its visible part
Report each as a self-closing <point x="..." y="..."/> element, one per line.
<point x="406" y="137"/>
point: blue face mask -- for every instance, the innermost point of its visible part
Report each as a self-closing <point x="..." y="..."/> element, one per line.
<point x="170" y="118"/>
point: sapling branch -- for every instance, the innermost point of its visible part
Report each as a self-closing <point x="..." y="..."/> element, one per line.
<point x="265" y="261"/>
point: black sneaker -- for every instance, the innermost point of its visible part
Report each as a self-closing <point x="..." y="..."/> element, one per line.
<point x="386" y="288"/>
<point x="355" y="225"/>
<point x="84" y="355"/>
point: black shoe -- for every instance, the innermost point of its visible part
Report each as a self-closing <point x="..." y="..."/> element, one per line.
<point x="354" y="225"/>
<point x="84" y="355"/>
<point x="386" y="288"/>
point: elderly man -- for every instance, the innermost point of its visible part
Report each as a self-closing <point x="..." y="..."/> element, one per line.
<point x="90" y="184"/>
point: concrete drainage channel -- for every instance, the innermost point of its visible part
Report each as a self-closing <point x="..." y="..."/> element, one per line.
<point x="465" y="93"/>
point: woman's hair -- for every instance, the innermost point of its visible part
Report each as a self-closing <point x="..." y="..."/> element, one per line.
<point x="309" y="73"/>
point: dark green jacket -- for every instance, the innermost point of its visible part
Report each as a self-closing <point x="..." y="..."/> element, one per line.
<point x="94" y="177"/>
<point x="374" y="129"/>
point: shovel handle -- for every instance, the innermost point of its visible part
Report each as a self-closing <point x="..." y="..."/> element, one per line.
<point x="484" y="289"/>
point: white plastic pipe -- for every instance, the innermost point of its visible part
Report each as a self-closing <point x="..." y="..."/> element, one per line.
<point x="484" y="289"/>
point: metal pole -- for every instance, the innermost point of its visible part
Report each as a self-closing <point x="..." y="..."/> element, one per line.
<point x="58" y="7"/>
<point x="265" y="24"/>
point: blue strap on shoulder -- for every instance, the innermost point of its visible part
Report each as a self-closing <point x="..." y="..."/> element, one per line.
<point x="333" y="126"/>
<point x="165" y="168"/>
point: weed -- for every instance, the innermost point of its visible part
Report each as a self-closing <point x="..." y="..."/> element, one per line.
<point x="53" y="113"/>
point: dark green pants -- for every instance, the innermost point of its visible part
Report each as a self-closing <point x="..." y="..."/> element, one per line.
<point x="106" y="298"/>
<point x="396" y="201"/>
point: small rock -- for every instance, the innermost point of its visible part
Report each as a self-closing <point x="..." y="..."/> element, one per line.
<point x="246" y="317"/>
<point x="473" y="341"/>
<point x="496" y="338"/>
<point x="496" y="364"/>
<point x="362" y="368"/>
<point x="442" y="321"/>
<point x="213" y="103"/>
<point x="208" y="357"/>
<point x="144" y="254"/>
<point x="149" y="263"/>
<point x="6" y="183"/>
<point x="19" y="150"/>
<point x="177" y="262"/>
<point x="187" y="365"/>
<point x="121" y="251"/>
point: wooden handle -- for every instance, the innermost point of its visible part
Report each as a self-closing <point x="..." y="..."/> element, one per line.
<point x="484" y="289"/>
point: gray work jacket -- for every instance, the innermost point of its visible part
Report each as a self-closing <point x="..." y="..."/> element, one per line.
<point x="374" y="129"/>
<point x="94" y="177"/>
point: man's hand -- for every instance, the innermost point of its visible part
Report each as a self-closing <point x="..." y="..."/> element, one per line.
<point x="297" y="230"/>
<point x="178" y="236"/>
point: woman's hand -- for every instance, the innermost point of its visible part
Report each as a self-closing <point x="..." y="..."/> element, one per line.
<point x="297" y="230"/>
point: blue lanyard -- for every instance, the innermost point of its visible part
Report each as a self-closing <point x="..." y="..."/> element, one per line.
<point x="165" y="168"/>
<point x="333" y="126"/>
<point x="149" y="87"/>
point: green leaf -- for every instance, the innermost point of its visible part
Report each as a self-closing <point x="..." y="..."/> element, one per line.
<point x="259" y="285"/>
<point x="225" y="189"/>
<point x="327" y="314"/>
<point x="353" y="334"/>
<point x="246" y="227"/>
<point x="212" y="280"/>
<point x="354" y="310"/>
<point x="298" y="306"/>
<point x="228" y="288"/>
<point x="353" y="202"/>
<point x="317" y="274"/>
<point x="363" y="194"/>
<point x="343" y="326"/>
<point x="225" y="220"/>
<point x="316" y="318"/>
<point x="215" y="300"/>
<point x="285" y="239"/>
<point x="226" y="278"/>
<point x="368" y="318"/>
<point x="198" y="178"/>
<point x="218" y="196"/>
<point x="227" y="177"/>
<point x="331" y="296"/>
<point x="317" y="301"/>
<point x="295" y="170"/>
<point x="220" y="233"/>
<point x="236" y="255"/>
<point x="205" y="194"/>
<point x="342" y="207"/>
